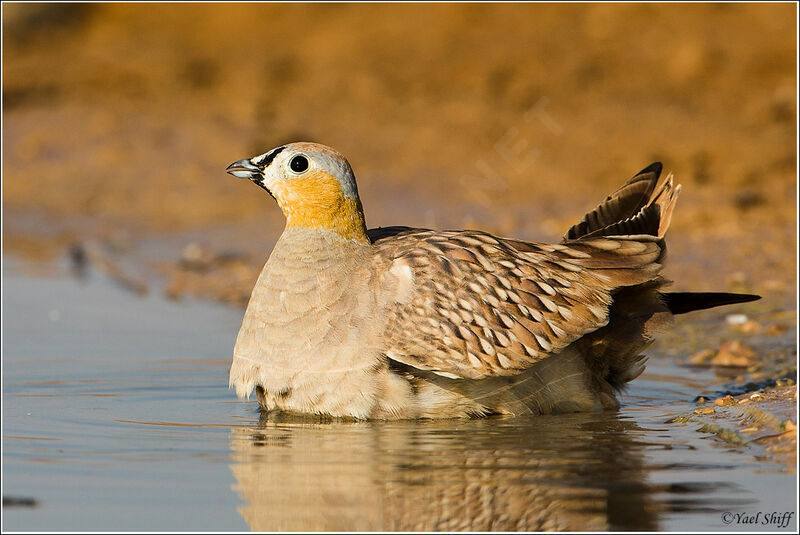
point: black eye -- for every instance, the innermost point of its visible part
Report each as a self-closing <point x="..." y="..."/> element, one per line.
<point x="298" y="164"/>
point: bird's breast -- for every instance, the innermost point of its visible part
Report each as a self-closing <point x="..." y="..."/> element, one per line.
<point x="308" y="322"/>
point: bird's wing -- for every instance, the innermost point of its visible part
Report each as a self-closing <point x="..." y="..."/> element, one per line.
<point x="466" y="304"/>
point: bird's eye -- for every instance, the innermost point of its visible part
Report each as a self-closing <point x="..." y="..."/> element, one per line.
<point x="298" y="164"/>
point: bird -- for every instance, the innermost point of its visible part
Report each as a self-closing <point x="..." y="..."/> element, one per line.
<point x="396" y="323"/>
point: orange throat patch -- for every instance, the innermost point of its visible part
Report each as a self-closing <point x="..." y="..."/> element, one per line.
<point x="317" y="201"/>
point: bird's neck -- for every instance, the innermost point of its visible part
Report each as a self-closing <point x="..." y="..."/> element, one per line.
<point x="304" y="246"/>
<point x="318" y="203"/>
<point x="344" y="218"/>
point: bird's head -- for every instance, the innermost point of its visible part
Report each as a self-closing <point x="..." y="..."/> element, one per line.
<point x="313" y="184"/>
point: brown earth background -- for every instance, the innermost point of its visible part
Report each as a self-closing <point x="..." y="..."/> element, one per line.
<point x="514" y="119"/>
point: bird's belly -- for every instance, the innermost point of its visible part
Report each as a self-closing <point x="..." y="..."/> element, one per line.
<point x="559" y="384"/>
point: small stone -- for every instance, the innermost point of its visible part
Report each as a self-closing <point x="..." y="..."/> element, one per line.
<point x="748" y="327"/>
<point x="744" y="401"/>
<point x="735" y="354"/>
<point x="702" y="357"/>
<point x="193" y="252"/>
<point x="736" y="319"/>
<point x="195" y="257"/>
<point x="776" y="329"/>
<point x="742" y="323"/>
<point x="757" y="396"/>
<point x="727" y="400"/>
<point x="705" y="410"/>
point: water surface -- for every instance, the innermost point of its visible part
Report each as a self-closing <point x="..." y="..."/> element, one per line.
<point x="117" y="416"/>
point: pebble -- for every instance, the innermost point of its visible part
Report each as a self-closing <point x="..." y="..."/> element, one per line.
<point x="702" y="357"/>
<point x="736" y="354"/>
<point x="727" y="400"/>
<point x="705" y="410"/>
<point x="742" y="323"/>
<point x="736" y="319"/>
<point x="749" y="327"/>
<point x="776" y="329"/>
<point x="195" y="257"/>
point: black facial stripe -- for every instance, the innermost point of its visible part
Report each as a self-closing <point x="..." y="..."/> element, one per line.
<point x="262" y="186"/>
<point x="269" y="157"/>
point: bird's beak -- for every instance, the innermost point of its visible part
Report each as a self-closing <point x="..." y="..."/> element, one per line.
<point x="245" y="169"/>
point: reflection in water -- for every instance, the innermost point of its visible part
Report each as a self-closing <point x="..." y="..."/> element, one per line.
<point x="571" y="472"/>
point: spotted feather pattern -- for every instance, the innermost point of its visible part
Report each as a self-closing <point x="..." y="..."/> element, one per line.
<point x="478" y="306"/>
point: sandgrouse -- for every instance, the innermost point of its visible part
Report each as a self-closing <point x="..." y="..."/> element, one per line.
<point x="401" y="322"/>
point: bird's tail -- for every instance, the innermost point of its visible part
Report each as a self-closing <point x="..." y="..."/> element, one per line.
<point x="640" y="207"/>
<point x="683" y="302"/>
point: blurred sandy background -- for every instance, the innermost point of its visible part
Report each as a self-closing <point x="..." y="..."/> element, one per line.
<point x="515" y="119"/>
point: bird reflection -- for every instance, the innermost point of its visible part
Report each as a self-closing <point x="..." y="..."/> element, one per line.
<point x="579" y="472"/>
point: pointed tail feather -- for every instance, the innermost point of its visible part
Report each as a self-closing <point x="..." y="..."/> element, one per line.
<point x="665" y="200"/>
<point x="683" y="302"/>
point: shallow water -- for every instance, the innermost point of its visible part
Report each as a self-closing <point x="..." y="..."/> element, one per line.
<point x="117" y="416"/>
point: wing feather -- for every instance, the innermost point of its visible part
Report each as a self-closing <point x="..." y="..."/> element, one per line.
<point x="481" y="306"/>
